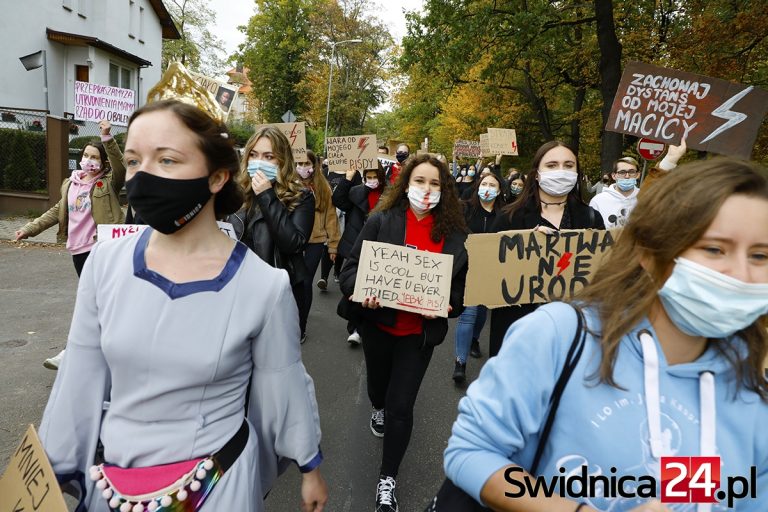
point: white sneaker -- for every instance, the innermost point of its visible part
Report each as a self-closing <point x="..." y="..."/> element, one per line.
<point x="355" y="338"/>
<point x="52" y="363"/>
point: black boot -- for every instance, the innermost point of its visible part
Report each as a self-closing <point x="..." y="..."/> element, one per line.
<point x="459" y="372"/>
<point x="474" y="349"/>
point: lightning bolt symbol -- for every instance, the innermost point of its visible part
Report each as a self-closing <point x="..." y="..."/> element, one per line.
<point x="724" y="112"/>
<point x="293" y="135"/>
<point x="362" y="144"/>
<point x="564" y="261"/>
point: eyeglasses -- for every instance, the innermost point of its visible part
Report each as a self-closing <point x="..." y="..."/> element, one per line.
<point x="626" y="174"/>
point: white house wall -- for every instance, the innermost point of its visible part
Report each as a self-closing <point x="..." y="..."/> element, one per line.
<point x="23" y="27"/>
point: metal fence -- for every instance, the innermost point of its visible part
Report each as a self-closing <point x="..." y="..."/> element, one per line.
<point x="22" y="150"/>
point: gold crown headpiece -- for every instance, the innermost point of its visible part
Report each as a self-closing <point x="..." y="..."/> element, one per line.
<point x="178" y="84"/>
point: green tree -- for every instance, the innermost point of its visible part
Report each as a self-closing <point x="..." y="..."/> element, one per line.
<point x="277" y="40"/>
<point x="198" y="48"/>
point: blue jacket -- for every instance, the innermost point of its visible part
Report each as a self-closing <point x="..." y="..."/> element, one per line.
<point x="600" y="426"/>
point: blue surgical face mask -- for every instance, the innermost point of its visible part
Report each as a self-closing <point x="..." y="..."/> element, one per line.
<point x="269" y="170"/>
<point x="487" y="194"/>
<point x="703" y="302"/>
<point x="626" y="184"/>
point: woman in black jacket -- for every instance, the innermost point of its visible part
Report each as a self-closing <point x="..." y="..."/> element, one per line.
<point x="279" y="212"/>
<point x="356" y="201"/>
<point x="550" y="201"/>
<point x="420" y="210"/>
<point x="480" y="213"/>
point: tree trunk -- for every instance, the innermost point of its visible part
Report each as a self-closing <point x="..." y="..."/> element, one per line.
<point x="578" y="103"/>
<point x="610" y="76"/>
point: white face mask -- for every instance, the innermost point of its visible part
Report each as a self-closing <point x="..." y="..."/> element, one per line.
<point x="372" y="183"/>
<point x="422" y="202"/>
<point x="304" y="171"/>
<point x="557" y="183"/>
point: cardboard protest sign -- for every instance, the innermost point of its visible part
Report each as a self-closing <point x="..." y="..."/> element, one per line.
<point x="485" y="145"/>
<point x="29" y="482"/>
<point x="94" y="102"/>
<point x="297" y="136"/>
<point x="529" y="267"/>
<point x="502" y="141"/>
<point x="404" y="278"/>
<point x="666" y="105"/>
<point x="224" y="93"/>
<point x="115" y="231"/>
<point x="466" y="149"/>
<point x="352" y="152"/>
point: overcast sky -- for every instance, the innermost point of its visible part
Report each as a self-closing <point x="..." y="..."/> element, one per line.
<point x="231" y="13"/>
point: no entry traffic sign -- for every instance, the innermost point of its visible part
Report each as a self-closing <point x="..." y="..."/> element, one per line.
<point x="650" y="149"/>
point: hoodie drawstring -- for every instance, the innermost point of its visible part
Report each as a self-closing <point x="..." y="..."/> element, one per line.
<point x="707" y="413"/>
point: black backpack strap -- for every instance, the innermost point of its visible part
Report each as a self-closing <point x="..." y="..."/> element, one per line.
<point x="571" y="361"/>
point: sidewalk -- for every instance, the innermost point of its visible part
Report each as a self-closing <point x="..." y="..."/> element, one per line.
<point x="9" y="225"/>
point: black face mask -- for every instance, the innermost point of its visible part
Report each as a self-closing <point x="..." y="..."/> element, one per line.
<point x="402" y="156"/>
<point x="165" y="204"/>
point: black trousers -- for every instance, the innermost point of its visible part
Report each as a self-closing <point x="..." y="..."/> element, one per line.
<point x="79" y="261"/>
<point x="396" y="366"/>
<point x="501" y="319"/>
<point x="327" y="264"/>
<point x="312" y="255"/>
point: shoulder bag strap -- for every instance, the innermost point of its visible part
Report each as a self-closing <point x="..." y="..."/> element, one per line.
<point x="571" y="360"/>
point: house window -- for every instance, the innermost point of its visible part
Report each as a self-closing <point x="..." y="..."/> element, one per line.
<point x="67" y="4"/>
<point x="120" y="76"/>
<point x="131" y="19"/>
<point x="141" y="24"/>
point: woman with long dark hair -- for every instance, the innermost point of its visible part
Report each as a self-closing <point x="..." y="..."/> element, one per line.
<point x="421" y="210"/>
<point x="550" y="201"/>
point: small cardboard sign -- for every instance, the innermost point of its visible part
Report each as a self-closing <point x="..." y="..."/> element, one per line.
<point x="224" y="93"/>
<point x="502" y="141"/>
<point x="466" y="149"/>
<point x="485" y="145"/>
<point x="666" y="105"/>
<point x="297" y="136"/>
<point x="29" y="482"/>
<point x="352" y="152"/>
<point x="404" y="278"/>
<point x="94" y="102"/>
<point x="114" y="231"/>
<point x="529" y="267"/>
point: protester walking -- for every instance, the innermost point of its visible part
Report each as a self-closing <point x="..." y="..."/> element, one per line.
<point x="191" y="340"/>
<point x="661" y="355"/>
<point x="421" y="211"/>
<point x="89" y="197"/>
<point x="550" y="201"/>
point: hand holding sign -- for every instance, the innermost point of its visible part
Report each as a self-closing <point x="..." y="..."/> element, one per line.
<point x="403" y="278"/>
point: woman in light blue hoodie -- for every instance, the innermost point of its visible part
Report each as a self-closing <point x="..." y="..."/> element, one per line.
<point x="672" y="366"/>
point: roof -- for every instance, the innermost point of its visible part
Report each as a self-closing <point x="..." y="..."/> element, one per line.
<point x="81" y="40"/>
<point x="239" y="76"/>
<point x="169" y="27"/>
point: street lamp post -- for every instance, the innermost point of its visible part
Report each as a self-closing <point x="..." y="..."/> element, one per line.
<point x="330" y="81"/>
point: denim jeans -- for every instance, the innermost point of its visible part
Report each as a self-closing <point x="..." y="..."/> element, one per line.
<point x="469" y="327"/>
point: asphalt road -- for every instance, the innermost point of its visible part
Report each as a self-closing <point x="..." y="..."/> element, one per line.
<point x="37" y="290"/>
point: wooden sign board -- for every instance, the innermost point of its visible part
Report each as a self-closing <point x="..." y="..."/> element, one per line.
<point x="666" y="105"/>
<point x="352" y="152"/>
<point x="404" y="278"/>
<point x="466" y="149"/>
<point x="502" y="141"/>
<point x="29" y="482"/>
<point x="529" y="267"/>
<point x="297" y="136"/>
<point x="485" y="145"/>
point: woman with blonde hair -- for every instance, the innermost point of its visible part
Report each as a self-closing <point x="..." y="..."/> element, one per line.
<point x="325" y="232"/>
<point x="670" y="362"/>
<point x="277" y="217"/>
